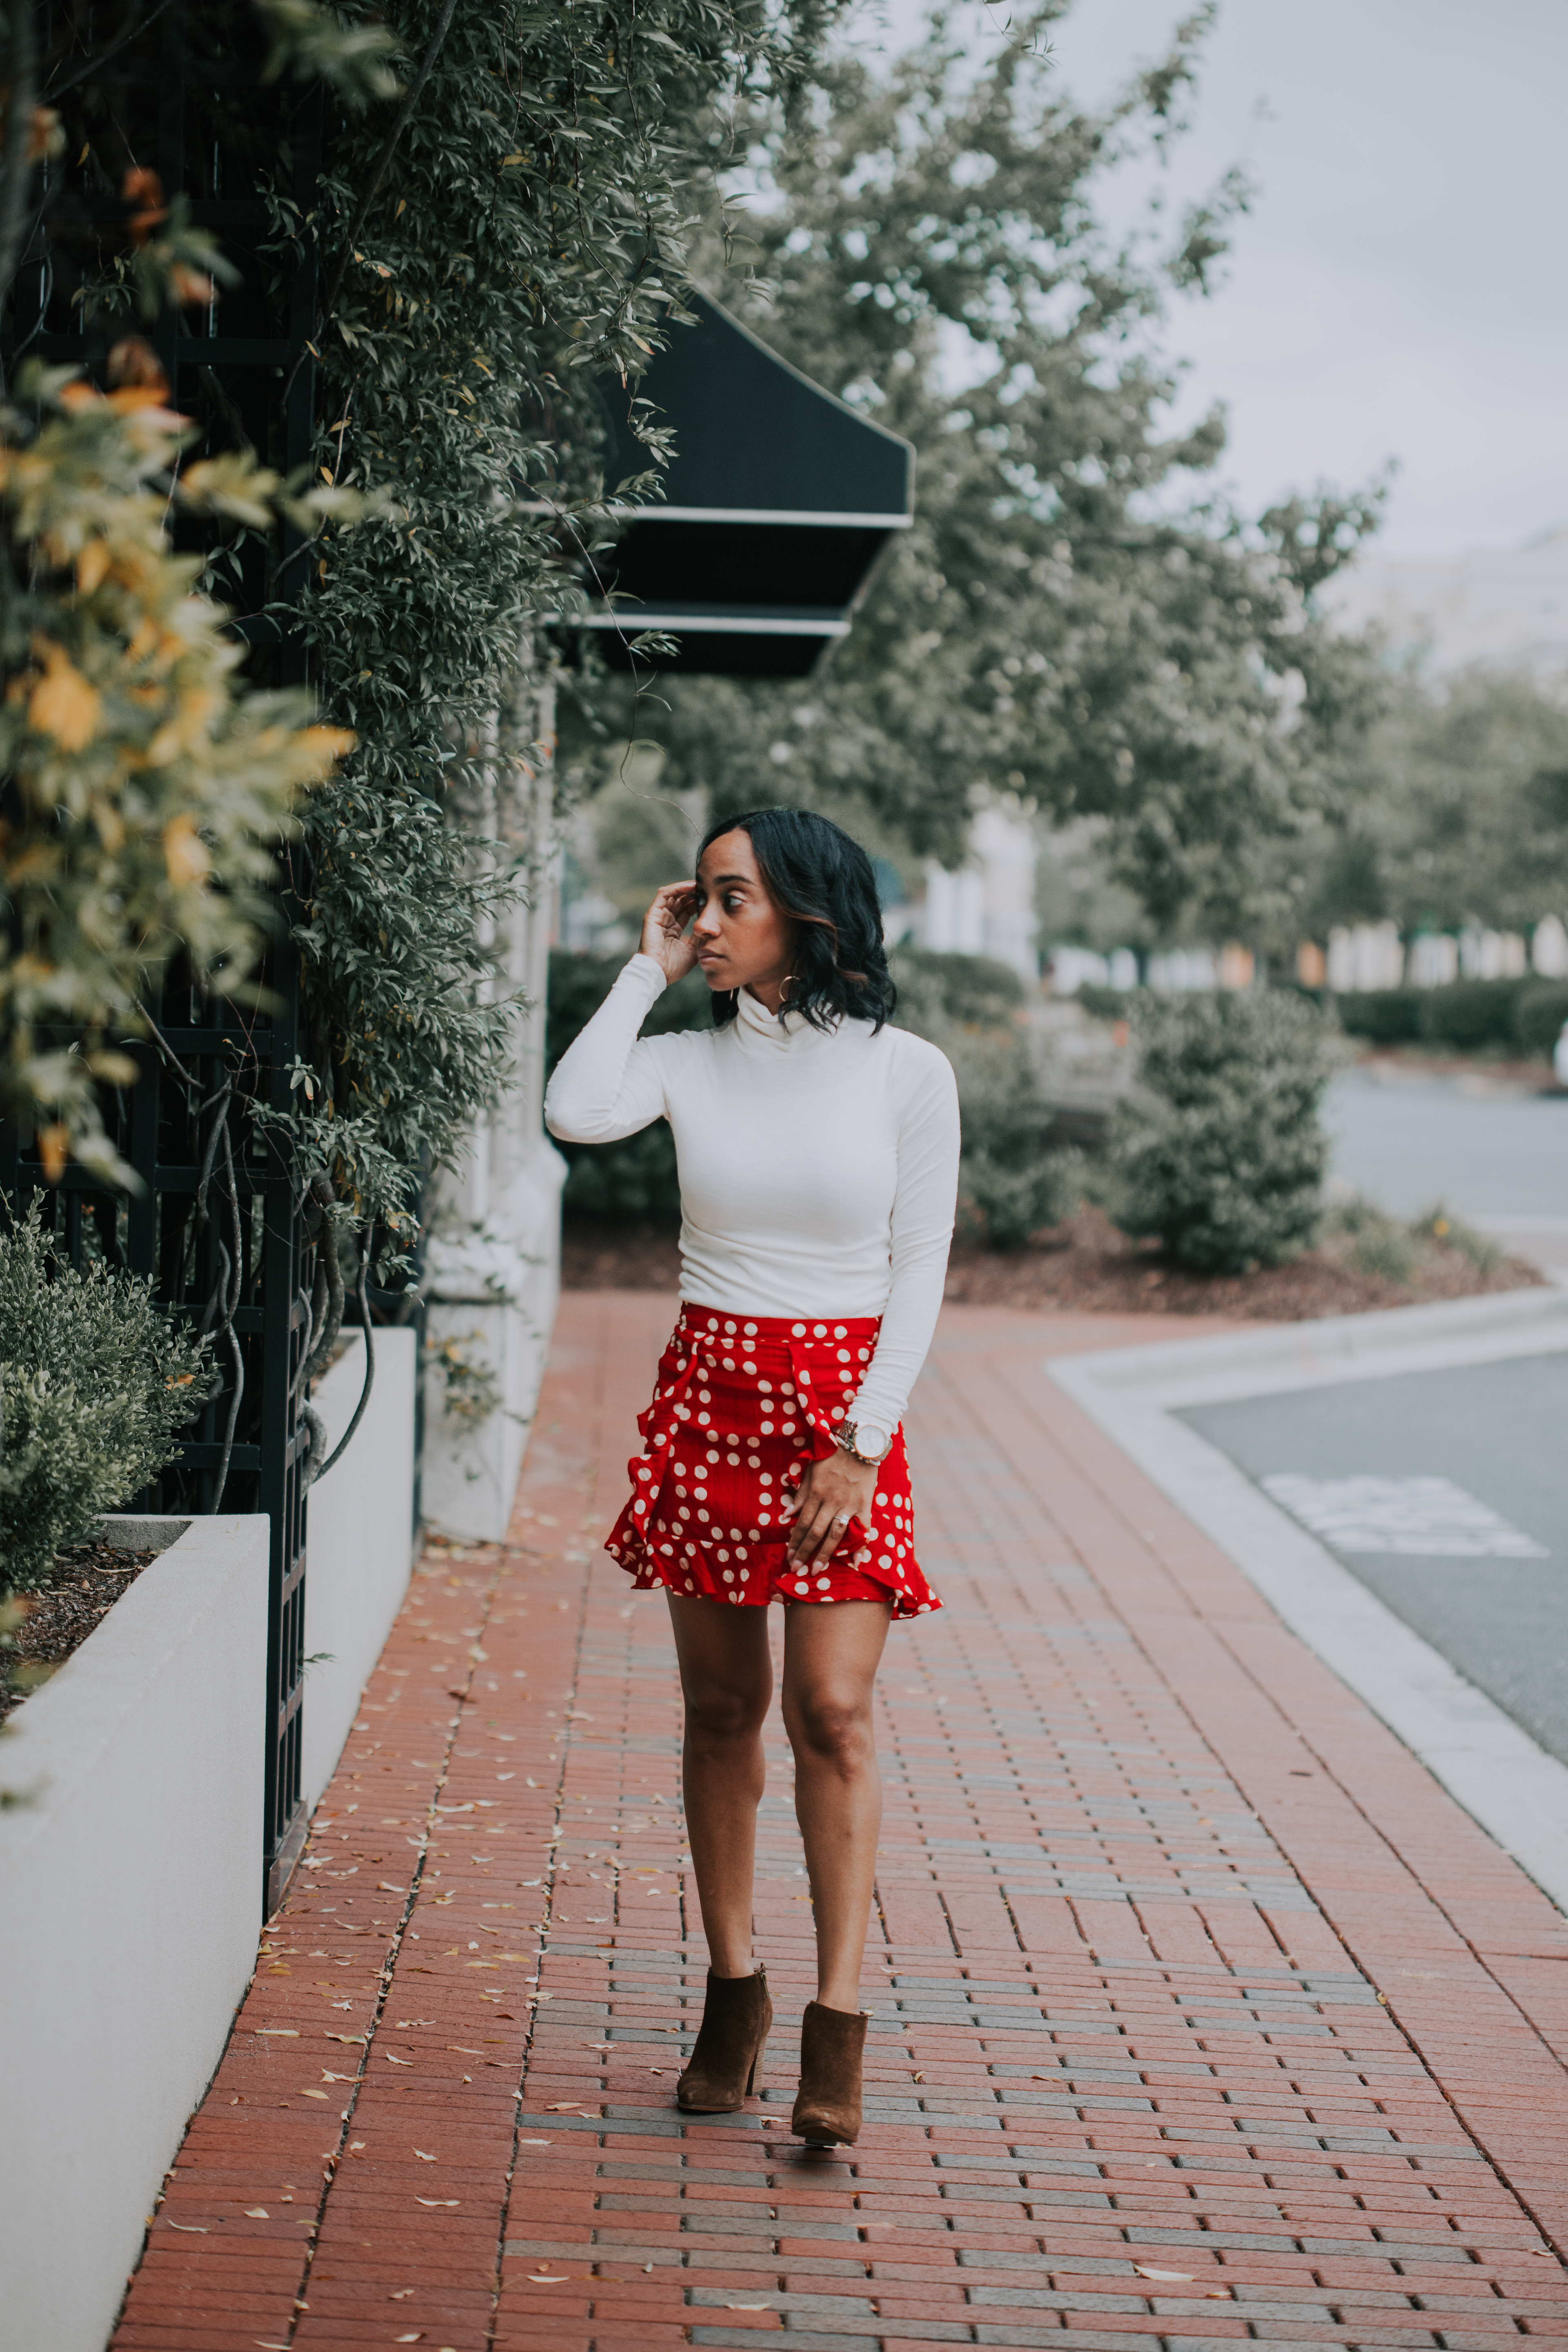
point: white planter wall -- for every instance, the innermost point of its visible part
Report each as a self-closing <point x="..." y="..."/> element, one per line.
<point x="129" y="1898"/>
<point x="359" y="1542"/>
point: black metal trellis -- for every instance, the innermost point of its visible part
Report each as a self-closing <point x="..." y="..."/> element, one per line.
<point x="217" y="1223"/>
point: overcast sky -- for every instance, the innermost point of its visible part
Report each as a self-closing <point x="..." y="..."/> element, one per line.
<point x="1399" y="289"/>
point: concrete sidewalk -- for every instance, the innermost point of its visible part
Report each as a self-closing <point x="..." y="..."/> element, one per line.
<point x="1202" y="2015"/>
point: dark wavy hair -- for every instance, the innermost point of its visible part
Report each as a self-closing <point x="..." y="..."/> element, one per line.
<point x="823" y="880"/>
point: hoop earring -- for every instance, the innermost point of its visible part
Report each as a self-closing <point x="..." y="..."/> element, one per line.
<point x="784" y="986"/>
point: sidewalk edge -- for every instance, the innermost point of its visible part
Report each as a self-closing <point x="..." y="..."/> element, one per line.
<point x="1509" y="1784"/>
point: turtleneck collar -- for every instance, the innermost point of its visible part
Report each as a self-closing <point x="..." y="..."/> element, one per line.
<point x="758" y="1025"/>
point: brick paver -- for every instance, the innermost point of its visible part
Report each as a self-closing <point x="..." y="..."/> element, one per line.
<point x="1202" y="2014"/>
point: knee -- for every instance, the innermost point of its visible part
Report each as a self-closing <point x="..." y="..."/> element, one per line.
<point x="720" y="1716"/>
<point x="834" y="1731"/>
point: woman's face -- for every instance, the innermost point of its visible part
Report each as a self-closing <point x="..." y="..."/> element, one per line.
<point x="742" y="937"/>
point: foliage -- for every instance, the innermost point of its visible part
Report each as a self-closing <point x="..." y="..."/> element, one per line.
<point x="146" y="791"/>
<point x="1470" y="1016"/>
<point x="1459" y="802"/>
<point x="1014" y="1177"/>
<point x="1384" y="1016"/>
<point x="1359" y="1234"/>
<point x="1218" y="1152"/>
<point x="526" y="243"/>
<point x="471" y="1392"/>
<point x="1539" y="1010"/>
<point x="634" y="1180"/>
<point x="1063" y="620"/>
<point x="93" y="1384"/>
<point x="497" y="229"/>
<point x="968" y="989"/>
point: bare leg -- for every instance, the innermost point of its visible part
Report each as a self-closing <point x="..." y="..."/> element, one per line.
<point x="727" y="1680"/>
<point x="831" y="1651"/>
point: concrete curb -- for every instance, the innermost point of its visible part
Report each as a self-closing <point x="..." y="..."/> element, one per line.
<point x="1506" y="1782"/>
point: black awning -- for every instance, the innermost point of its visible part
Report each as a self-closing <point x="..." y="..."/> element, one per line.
<point x="777" y="503"/>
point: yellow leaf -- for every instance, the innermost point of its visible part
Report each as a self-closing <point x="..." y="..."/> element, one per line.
<point x="256" y="2213"/>
<point x="184" y="852"/>
<point x="111" y="825"/>
<point x="316" y="748"/>
<point x="62" y="704"/>
<point x="90" y="566"/>
<point x="196" y="708"/>
<point x="54" y="1151"/>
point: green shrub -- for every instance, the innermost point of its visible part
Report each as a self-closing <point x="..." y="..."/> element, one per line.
<point x="1539" y="1012"/>
<point x="633" y="1181"/>
<point x="1218" y="1152"/>
<point x="973" y="990"/>
<point x="1012" y="1179"/>
<point x="1440" y="1224"/>
<point x="1467" y="1013"/>
<point x="1107" y="1004"/>
<point x="1373" y="1242"/>
<point x="93" y="1386"/>
<point x="1383" y="1017"/>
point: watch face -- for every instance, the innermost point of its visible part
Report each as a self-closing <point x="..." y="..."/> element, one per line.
<point x="871" y="1439"/>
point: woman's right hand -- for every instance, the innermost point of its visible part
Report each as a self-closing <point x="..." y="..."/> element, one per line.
<point x="663" y="927"/>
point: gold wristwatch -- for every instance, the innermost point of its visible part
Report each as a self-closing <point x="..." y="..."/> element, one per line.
<point x="864" y="1441"/>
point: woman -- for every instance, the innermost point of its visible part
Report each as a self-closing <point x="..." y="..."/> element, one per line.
<point x="818" y="1158"/>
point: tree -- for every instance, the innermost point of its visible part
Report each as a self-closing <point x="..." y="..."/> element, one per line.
<point x="1069" y="618"/>
<point x="1458" y="810"/>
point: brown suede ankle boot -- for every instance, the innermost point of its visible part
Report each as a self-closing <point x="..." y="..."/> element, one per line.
<point x="827" y="2105"/>
<point x="730" y="2040"/>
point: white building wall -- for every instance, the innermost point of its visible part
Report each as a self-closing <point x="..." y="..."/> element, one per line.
<point x="493" y="1268"/>
<point x="987" y="908"/>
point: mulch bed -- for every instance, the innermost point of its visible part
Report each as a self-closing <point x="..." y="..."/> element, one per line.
<point x="1086" y="1266"/>
<point x="87" y="1578"/>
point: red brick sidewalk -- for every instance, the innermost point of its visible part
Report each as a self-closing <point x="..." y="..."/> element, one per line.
<point x="1202" y="2014"/>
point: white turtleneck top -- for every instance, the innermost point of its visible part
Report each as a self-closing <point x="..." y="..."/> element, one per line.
<point x="818" y="1172"/>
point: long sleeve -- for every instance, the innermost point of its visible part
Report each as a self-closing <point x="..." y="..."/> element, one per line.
<point x="607" y="1082"/>
<point x="924" y="1207"/>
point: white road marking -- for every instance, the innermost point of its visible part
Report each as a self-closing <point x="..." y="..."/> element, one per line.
<point x="1424" y="1518"/>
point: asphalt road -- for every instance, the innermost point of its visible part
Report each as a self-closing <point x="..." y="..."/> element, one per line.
<point x="1496" y="1432"/>
<point x="1409" y="1142"/>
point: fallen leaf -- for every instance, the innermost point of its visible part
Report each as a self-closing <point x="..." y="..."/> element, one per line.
<point x="343" y="2037"/>
<point x="286" y="2032"/>
<point x="384" y="1886"/>
<point x="327" y="2076"/>
<point x="192" y="2229"/>
<point x="419" y="2152"/>
<point x="396" y="2061"/>
<point x="535" y="2143"/>
<point x="465" y="2052"/>
<point x="572" y="2107"/>
<point x="748" y="2306"/>
<point x="400" y="2295"/>
<point x="417" y="2338"/>
<point x="256" y="2213"/>
<point x="312" y="2095"/>
<point x="436" y="2200"/>
<point x="544" y="2278"/>
<point x="1217" y="2294"/>
<point x="1144" y="2271"/>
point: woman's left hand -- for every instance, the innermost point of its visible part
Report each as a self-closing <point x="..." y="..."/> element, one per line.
<point x="830" y="1494"/>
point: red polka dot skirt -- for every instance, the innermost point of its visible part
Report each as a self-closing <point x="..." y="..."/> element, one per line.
<point x="741" y="1405"/>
